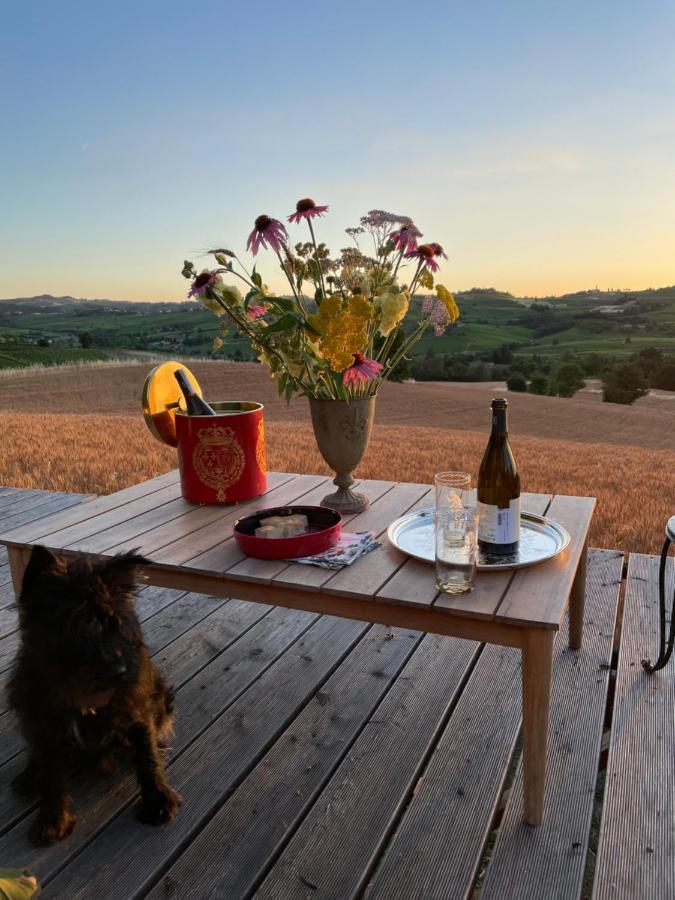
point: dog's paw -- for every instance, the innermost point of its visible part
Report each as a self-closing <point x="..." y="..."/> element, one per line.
<point x="52" y="830"/>
<point x="160" y="806"/>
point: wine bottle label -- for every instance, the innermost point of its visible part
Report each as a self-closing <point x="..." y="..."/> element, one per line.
<point x="499" y="526"/>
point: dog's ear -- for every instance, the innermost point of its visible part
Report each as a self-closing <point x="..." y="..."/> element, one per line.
<point x="122" y="569"/>
<point x="42" y="562"/>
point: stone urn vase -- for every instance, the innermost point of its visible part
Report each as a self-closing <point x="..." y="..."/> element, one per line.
<point x="342" y="430"/>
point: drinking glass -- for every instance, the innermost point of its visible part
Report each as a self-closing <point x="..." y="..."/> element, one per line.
<point x="455" y="526"/>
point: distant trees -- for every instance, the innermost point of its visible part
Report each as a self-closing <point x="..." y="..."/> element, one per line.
<point x="502" y="355"/>
<point x="568" y="379"/>
<point x="86" y="339"/>
<point x="650" y="360"/>
<point x="664" y="378"/>
<point x="624" y="384"/>
<point x="516" y="382"/>
<point x="539" y="383"/>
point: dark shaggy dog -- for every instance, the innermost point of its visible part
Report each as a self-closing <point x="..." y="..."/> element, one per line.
<point x="84" y="687"/>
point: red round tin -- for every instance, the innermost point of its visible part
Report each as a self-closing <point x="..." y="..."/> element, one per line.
<point x="325" y="527"/>
<point x="222" y="458"/>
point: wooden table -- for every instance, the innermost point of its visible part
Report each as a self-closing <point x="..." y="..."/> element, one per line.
<point x="191" y="547"/>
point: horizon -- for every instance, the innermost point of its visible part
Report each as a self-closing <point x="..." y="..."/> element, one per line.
<point x="535" y="144"/>
<point x="456" y="291"/>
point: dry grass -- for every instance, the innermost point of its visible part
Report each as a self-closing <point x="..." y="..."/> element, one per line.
<point x="106" y="453"/>
<point x="112" y="390"/>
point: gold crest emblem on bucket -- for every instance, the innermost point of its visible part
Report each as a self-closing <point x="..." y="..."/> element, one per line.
<point x="218" y="459"/>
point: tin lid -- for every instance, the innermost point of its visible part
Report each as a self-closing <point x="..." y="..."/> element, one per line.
<point x="161" y="399"/>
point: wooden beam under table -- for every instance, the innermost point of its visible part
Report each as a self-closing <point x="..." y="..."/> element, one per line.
<point x="382" y="613"/>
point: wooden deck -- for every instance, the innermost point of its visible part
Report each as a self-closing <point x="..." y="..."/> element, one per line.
<point x="326" y="758"/>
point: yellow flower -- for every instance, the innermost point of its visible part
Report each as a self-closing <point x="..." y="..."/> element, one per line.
<point x="426" y="279"/>
<point x="448" y="302"/>
<point x="393" y="307"/>
<point x="217" y="343"/>
<point x="343" y="328"/>
<point x="360" y="306"/>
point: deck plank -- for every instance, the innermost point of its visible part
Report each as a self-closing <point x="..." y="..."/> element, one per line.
<point x="33" y="533"/>
<point x="351" y="820"/>
<point x="244" y="836"/>
<point x="437" y="843"/>
<point x="637" y="833"/>
<point x="549" y="861"/>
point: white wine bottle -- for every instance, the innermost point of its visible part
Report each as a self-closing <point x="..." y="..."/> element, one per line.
<point x="498" y="490"/>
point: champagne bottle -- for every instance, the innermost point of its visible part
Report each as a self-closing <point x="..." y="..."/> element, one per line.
<point x="498" y="490"/>
<point x="195" y="405"/>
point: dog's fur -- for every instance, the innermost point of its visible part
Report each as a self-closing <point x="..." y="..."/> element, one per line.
<point x="84" y="686"/>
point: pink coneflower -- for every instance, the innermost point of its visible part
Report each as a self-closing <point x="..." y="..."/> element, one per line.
<point x="203" y="282"/>
<point x="425" y="253"/>
<point x="438" y="250"/>
<point x="254" y="312"/>
<point x="405" y="238"/>
<point x="362" y="369"/>
<point x="306" y="209"/>
<point x="266" y="232"/>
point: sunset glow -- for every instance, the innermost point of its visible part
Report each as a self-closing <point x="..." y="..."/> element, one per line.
<point x="536" y="145"/>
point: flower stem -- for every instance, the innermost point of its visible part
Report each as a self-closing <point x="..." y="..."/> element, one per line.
<point x="412" y="340"/>
<point x="290" y="281"/>
<point x="316" y="257"/>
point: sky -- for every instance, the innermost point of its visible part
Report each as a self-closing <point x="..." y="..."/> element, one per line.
<point x="534" y="141"/>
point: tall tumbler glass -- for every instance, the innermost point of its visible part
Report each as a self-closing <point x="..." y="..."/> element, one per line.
<point x="455" y="525"/>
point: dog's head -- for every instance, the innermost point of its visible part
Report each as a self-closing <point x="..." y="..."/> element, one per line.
<point x="78" y="622"/>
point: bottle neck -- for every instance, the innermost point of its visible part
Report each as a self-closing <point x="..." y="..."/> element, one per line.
<point x="499" y="423"/>
<point x="185" y="385"/>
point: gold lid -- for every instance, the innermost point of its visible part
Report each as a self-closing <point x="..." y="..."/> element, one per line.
<point x="161" y="399"/>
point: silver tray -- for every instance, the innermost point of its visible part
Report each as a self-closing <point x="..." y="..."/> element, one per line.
<point x="540" y="539"/>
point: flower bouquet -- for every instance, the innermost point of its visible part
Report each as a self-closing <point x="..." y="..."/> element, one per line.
<point x="340" y="331"/>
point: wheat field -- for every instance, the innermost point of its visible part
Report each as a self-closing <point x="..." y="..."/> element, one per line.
<point x="115" y="389"/>
<point x="104" y="453"/>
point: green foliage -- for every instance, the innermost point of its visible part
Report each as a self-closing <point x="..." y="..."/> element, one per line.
<point x="18" y="357"/>
<point x="402" y="371"/>
<point x="568" y="379"/>
<point x="86" y="339"/>
<point x="539" y="383"/>
<point x="625" y="384"/>
<point x="516" y="382"/>
<point x="664" y="378"/>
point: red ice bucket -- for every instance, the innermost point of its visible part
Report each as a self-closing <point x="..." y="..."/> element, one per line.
<point x="222" y="458"/>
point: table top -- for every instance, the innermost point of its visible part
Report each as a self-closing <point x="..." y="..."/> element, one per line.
<point x="179" y="537"/>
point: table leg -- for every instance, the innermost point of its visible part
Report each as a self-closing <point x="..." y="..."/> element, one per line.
<point x="18" y="560"/>
<point x="577" y="600"/>
<point x="537" y="670"/>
